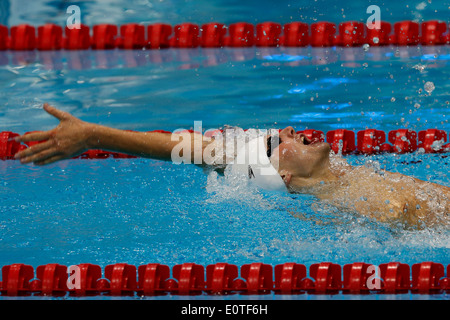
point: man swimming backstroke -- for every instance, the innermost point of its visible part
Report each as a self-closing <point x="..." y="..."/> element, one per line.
<point x="285" y="160"/>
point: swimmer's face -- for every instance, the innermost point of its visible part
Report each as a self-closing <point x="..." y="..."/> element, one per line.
<point x="299" y="156"/>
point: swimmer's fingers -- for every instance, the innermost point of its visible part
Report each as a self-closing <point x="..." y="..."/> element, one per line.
<point x="40" y="156"/>
<point x="59" y="114"/>
<point x="34" y="136"/>
<point x="33" y="150"/>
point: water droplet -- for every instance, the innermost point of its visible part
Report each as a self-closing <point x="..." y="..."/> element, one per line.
<point x="429" y="87"/>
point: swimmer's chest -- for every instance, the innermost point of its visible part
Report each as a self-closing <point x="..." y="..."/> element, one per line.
<point x="382" y="196"/>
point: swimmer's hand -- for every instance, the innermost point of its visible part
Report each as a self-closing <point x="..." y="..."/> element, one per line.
<point x="73" y="137"/>
<point x="65" y="141"/>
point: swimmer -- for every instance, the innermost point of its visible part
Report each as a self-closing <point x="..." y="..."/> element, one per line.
<point x="303" y="166"/>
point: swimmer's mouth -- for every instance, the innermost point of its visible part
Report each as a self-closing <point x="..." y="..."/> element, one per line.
<point x="305" y="140"/>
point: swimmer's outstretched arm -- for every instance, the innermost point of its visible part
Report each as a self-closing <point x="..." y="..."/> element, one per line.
<point x="73" y="136"/>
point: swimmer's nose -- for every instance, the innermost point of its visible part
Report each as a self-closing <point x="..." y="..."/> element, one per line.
<point x="288" y="132"/>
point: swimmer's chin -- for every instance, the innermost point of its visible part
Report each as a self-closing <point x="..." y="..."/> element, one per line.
<point x="317" y="142"/>
<point x="321" y="145"/>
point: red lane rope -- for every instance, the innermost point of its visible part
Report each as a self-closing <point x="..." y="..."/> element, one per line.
<point x="216" y="35"/>
<point x="223" y="278"/>
<point x="364" y="142"/>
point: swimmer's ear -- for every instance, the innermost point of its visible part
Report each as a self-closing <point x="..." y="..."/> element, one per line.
<point x="286" y="176"/>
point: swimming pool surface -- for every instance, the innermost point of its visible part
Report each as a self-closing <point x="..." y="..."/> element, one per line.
<point x="139" y="210"/>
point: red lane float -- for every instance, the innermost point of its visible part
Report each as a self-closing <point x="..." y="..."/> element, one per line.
<point x="89" y="280"/>
<point x="240" y="35"/>
<point x="406" y="33"/>
<point x="51" y="280"/>
<point x="122" y="279"/>
<point x="351" y="34"/>
<point x="313" y="135"/>
<point x="77" y="39"/>
<point x="433" y="33"/>
<point x="323" y="34"/>
<point x="221" y="278"/>
<point x="426" y="277"/>
<point x="190" y="277"/>
<point x="327" y="277"/>
<point x="291" y="278"/>
<point x="403" y="140"/>
<point x="268" y="34"/>
<point x="342" y="141"/>
<point x="23" y="37"/>
<point x="258" y="278"/>
<point x="186" y="36"/>
<point x="396" y="277"/>
<point x="153" y="279"/>
<point x="104" y="36"/>
<point x="132" y="36"/>
<point x="379" y="37"/>
<point x="432" y="140"/>
<point x="216" y="35"/>
<point x="158" y="36"/>
<point x="4" y="39"/>
<point x="357" y="277"/>
<point x="16" y="279"/>
<point x="370" y="141"/>
<point x="8" y="147"/>
<point x="295" y="34"/>
<point x="213" y="35"/>
<point x="50" y="37"/>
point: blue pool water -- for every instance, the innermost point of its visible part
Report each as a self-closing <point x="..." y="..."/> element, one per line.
<point x="320" y="88"/>
<point x="139" y="210"/>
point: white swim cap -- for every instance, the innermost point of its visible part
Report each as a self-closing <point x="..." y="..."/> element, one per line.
<point x="252" y="160"/>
